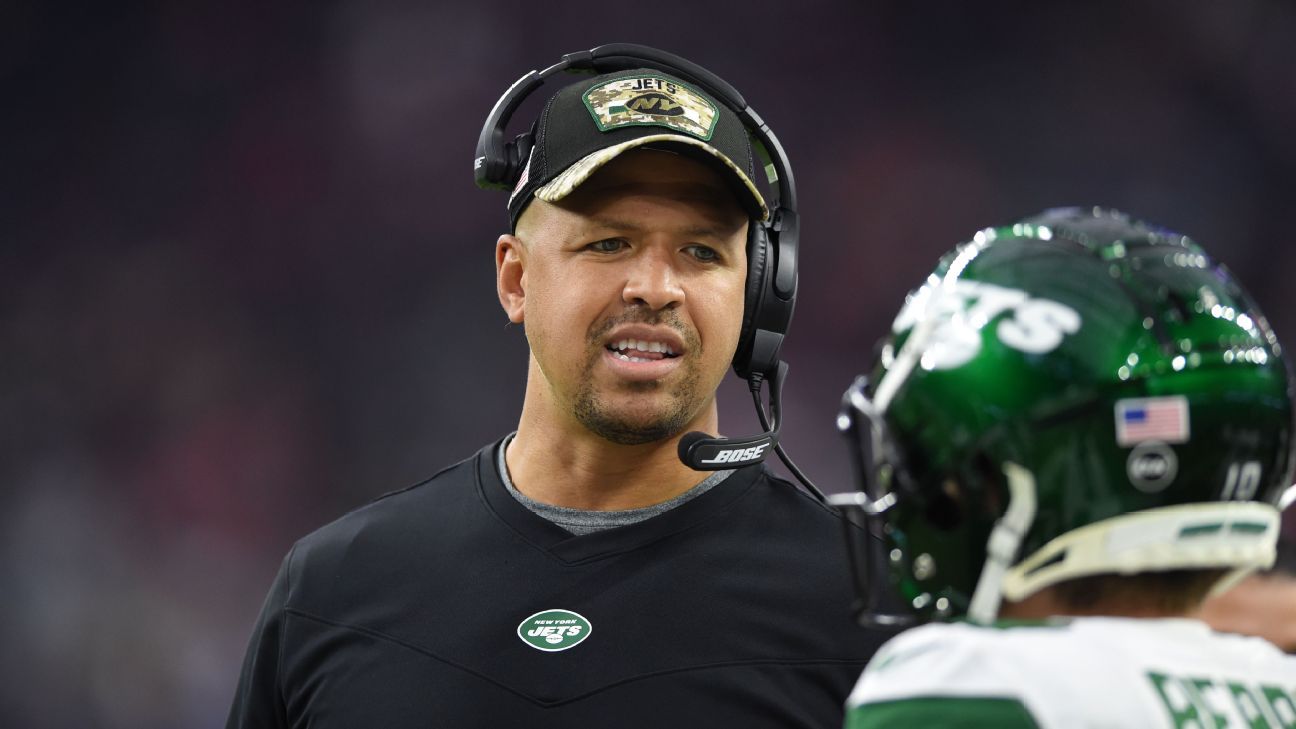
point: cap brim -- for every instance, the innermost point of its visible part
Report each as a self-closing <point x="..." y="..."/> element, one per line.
<point x="572" y="177"/>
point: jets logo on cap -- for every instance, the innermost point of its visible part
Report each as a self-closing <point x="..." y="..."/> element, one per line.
<point x="655" y="103"/>
<point x="554" y="630"/>
<point x="651" y="101"/>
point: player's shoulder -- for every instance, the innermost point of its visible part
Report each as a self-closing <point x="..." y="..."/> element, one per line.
<point x="953" y="658"/>
<point x="1096" y="667"/>
<point x="1173" y="640"/>
<point x="935" y="673"/>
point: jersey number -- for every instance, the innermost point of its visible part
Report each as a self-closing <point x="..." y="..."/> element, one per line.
<point x="1242" y="481"/>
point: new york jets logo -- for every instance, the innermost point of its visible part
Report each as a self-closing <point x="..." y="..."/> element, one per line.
<point x="652" y="101"/>
<point x="655" y="104"/>
<point x="554" y="630"/>
<point x="964" y="307"/>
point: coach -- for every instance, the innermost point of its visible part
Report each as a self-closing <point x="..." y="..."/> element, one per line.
<point x="579" y="572"/>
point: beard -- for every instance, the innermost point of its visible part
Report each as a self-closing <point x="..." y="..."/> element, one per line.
<point x="629" y="428"/>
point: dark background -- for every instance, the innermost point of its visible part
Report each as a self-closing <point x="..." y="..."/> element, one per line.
<point x="246" y="281"/>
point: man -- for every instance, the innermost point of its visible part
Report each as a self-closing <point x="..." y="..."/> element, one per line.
<point x="577" y="573"/>
<point x="1081" y="425"/>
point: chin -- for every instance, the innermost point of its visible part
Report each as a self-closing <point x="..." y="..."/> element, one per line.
<point x="635" y="428"/>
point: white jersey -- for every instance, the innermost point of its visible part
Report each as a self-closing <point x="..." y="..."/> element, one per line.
<point x="1077" y="672"/>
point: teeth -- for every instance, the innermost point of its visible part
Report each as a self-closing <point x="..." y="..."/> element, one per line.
<point x="642" y="346"/>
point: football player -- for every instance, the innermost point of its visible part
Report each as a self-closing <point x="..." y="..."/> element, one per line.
<point x="1079" y="427"/>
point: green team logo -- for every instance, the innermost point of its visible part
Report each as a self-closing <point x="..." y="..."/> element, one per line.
<point x="964" y="307"/>
<point x="554" y="630"/>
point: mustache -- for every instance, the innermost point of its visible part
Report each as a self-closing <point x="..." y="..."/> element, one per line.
<point x="668" y="317"/>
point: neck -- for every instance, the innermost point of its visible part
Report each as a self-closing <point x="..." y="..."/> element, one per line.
<point x="1047" y="604"/>
<point x="555" y="460"/>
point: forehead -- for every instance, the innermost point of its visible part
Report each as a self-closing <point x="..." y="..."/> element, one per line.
<point x="659" y="173"/>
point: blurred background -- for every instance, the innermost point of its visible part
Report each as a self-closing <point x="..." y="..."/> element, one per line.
<point x="246" y="281"/>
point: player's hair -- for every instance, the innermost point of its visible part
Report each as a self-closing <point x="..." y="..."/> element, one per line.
<point x="1173" y="592"/>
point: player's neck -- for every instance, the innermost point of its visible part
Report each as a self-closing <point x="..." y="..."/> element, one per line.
<point x="1046" y="604"/>
<point x="556" y="460"/>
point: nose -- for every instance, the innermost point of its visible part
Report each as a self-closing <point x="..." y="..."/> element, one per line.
<point x="653" y="281"/>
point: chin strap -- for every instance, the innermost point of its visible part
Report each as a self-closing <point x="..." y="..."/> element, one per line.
<point x="1005" y="539"/>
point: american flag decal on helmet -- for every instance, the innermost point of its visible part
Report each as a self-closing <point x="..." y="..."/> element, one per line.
<point x="1143" y="419"/>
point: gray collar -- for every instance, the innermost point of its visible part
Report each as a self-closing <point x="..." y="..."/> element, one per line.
<point x="586" y="521"/>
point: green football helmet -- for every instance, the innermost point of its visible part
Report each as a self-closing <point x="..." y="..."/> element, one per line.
<point x="1076" y="394"/>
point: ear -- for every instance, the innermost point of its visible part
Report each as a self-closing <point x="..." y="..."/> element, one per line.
<point x="510" y="277"/>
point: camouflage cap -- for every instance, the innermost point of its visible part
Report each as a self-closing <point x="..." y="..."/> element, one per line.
<point x="586" y="125"/>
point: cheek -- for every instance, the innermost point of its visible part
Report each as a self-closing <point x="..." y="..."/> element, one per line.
<point x="543" y="298"/>
<point x="560" y="310"/>
<point x="720" y="319"/>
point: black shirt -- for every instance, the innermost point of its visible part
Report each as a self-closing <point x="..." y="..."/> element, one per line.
<point x="729" y="610"/>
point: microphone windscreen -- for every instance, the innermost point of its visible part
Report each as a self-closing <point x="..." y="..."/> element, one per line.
<point x="688" y="441"/>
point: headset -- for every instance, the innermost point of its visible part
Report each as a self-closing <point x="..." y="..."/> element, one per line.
<point x="771" y="245"/>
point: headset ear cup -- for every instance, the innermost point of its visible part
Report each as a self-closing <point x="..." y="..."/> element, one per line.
<point x="757" y="257"/>
<point x="516" y="154"/>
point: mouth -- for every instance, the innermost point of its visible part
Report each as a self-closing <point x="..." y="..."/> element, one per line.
<point x="640" y="350"/>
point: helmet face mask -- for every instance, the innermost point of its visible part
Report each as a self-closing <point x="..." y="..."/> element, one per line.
<point x="1058" y="391"/>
